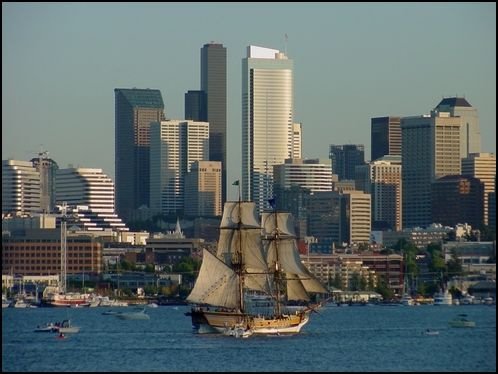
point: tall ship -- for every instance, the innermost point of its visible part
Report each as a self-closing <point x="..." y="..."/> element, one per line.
<point x="254" y="276"/>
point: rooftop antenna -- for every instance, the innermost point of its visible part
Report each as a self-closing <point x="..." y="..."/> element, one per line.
<point x="285" y="44"/>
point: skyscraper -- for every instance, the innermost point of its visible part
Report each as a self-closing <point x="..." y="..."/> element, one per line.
<point x="195" y="106"/>
<point x="47" y="169"/>
<point x="483" y="167"/>
<point x="267" y="110"/>
<point x="135" y="109"/>
<point x="214" y="84"/>
<point x="345" y="158"/>
<point x="470" y="134"/>
<point x="203" y="189"/>
<point x="385" y="137"/>
<point x="175" y="145"/>
<point x="430" y="150"/>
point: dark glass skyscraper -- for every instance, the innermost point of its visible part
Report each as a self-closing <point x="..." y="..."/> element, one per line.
<point x="385" y="137"/>
<point x="195" y="106"/>
<point x="345" y="158"/>
<point x="135" y="109"/>
<point x="214" y="84"/>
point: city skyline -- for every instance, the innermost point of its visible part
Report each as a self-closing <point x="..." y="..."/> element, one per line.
<point x="352" y="62"/>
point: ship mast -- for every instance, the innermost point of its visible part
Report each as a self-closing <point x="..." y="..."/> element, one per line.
<point x="238" y="259"/>
<point x="277" y="274"/>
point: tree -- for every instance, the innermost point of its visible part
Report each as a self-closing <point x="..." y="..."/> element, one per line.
<point x="383" y="289"/>
<point x="454" y="266"/>
<point x="354" y="283"/>
<point x="337" y="282"/>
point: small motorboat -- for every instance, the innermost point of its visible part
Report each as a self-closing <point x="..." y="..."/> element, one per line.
<point x="49" y="327"/>
<point x="462" y="321"/>
<point x="431" y="332"/>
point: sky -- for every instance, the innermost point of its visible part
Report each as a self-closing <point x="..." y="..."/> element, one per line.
<point x="352" y="61"/>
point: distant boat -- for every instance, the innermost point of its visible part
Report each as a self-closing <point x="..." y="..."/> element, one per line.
<point x="431" y="332"/>
<point x="49" y="327"/>
<point x="462" y="321"/>
<point x="443" y="298"/>
<point x="67" y="327"/>
<point x="133" y="315"/>
<point x="110" y="313"/>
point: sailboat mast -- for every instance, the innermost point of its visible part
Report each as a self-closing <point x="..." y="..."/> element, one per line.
<point x="63" y="247"/>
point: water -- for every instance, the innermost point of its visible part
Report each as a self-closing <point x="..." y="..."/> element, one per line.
<point x="376" y="338"/>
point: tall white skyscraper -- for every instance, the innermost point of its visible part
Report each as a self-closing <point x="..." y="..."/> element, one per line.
<point x="174" y="146"/>
<point x="267" y="123"/>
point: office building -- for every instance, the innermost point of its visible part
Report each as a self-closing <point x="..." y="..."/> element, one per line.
<point x="343" y="217"/>
<point x="267" y="110"/>
<point x="20" y="188"/>
<point x="470" y="133"/>
<point x="345" y="158"/>
<point x="430" y="150"/>
<point x="195" y="106"/>
<point x="214" y="85"/>
<point x="457" y="199"/>
<point x="203" y="189"/>
<point x="89" y="193"/>
<point x="296" y="141"/>
<point x="385" y="137"/>
<point x="382" y="180"/>
<point x="175" y="145"/>
<point x="483" y="167"/>
<point x="135" y="109"/>
<point x="47" y="169"/>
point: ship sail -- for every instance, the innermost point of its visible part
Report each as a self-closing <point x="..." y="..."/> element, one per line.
<point x="284" y="252"/>
<point x="216" y="284"/>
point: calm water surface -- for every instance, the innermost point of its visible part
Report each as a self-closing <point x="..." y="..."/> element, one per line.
<point x="372" y="338"/>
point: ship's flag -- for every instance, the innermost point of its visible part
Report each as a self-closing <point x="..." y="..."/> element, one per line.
<point x="236" y="183"/>
<point x="272" y="203"/>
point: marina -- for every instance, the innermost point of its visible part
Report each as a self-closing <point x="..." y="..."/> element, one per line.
<point x="338" y="339"/>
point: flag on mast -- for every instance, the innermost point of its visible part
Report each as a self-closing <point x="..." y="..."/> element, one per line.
<point x="236" y="183"/>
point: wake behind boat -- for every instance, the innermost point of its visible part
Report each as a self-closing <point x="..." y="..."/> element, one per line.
<point x="252" y="260"/>
<point x="133" y="315"/>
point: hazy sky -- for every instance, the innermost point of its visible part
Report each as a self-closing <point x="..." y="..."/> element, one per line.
<point x="352" y="61"/>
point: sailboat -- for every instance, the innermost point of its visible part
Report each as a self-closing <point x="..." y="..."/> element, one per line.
<point x="58" y="296"/>
<point x="254" y="273"/>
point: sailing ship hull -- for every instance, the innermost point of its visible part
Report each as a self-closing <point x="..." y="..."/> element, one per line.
<point x="205" y="321"/>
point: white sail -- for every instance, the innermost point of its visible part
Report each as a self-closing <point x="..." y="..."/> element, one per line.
<point x="257" y="282"/>
<point x="295" y="289"/>
<point x="247" y="243"/>
<point x="281" y="246"/>
<point x="216" y="284"/>
<point x="288" y="258"/>
<point x="243" y="212"/>
<point x="311" y="284"/>
<point x="281" y="220"/>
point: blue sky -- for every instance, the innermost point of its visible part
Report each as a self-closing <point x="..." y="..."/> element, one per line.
<point x="352" y="61"/>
